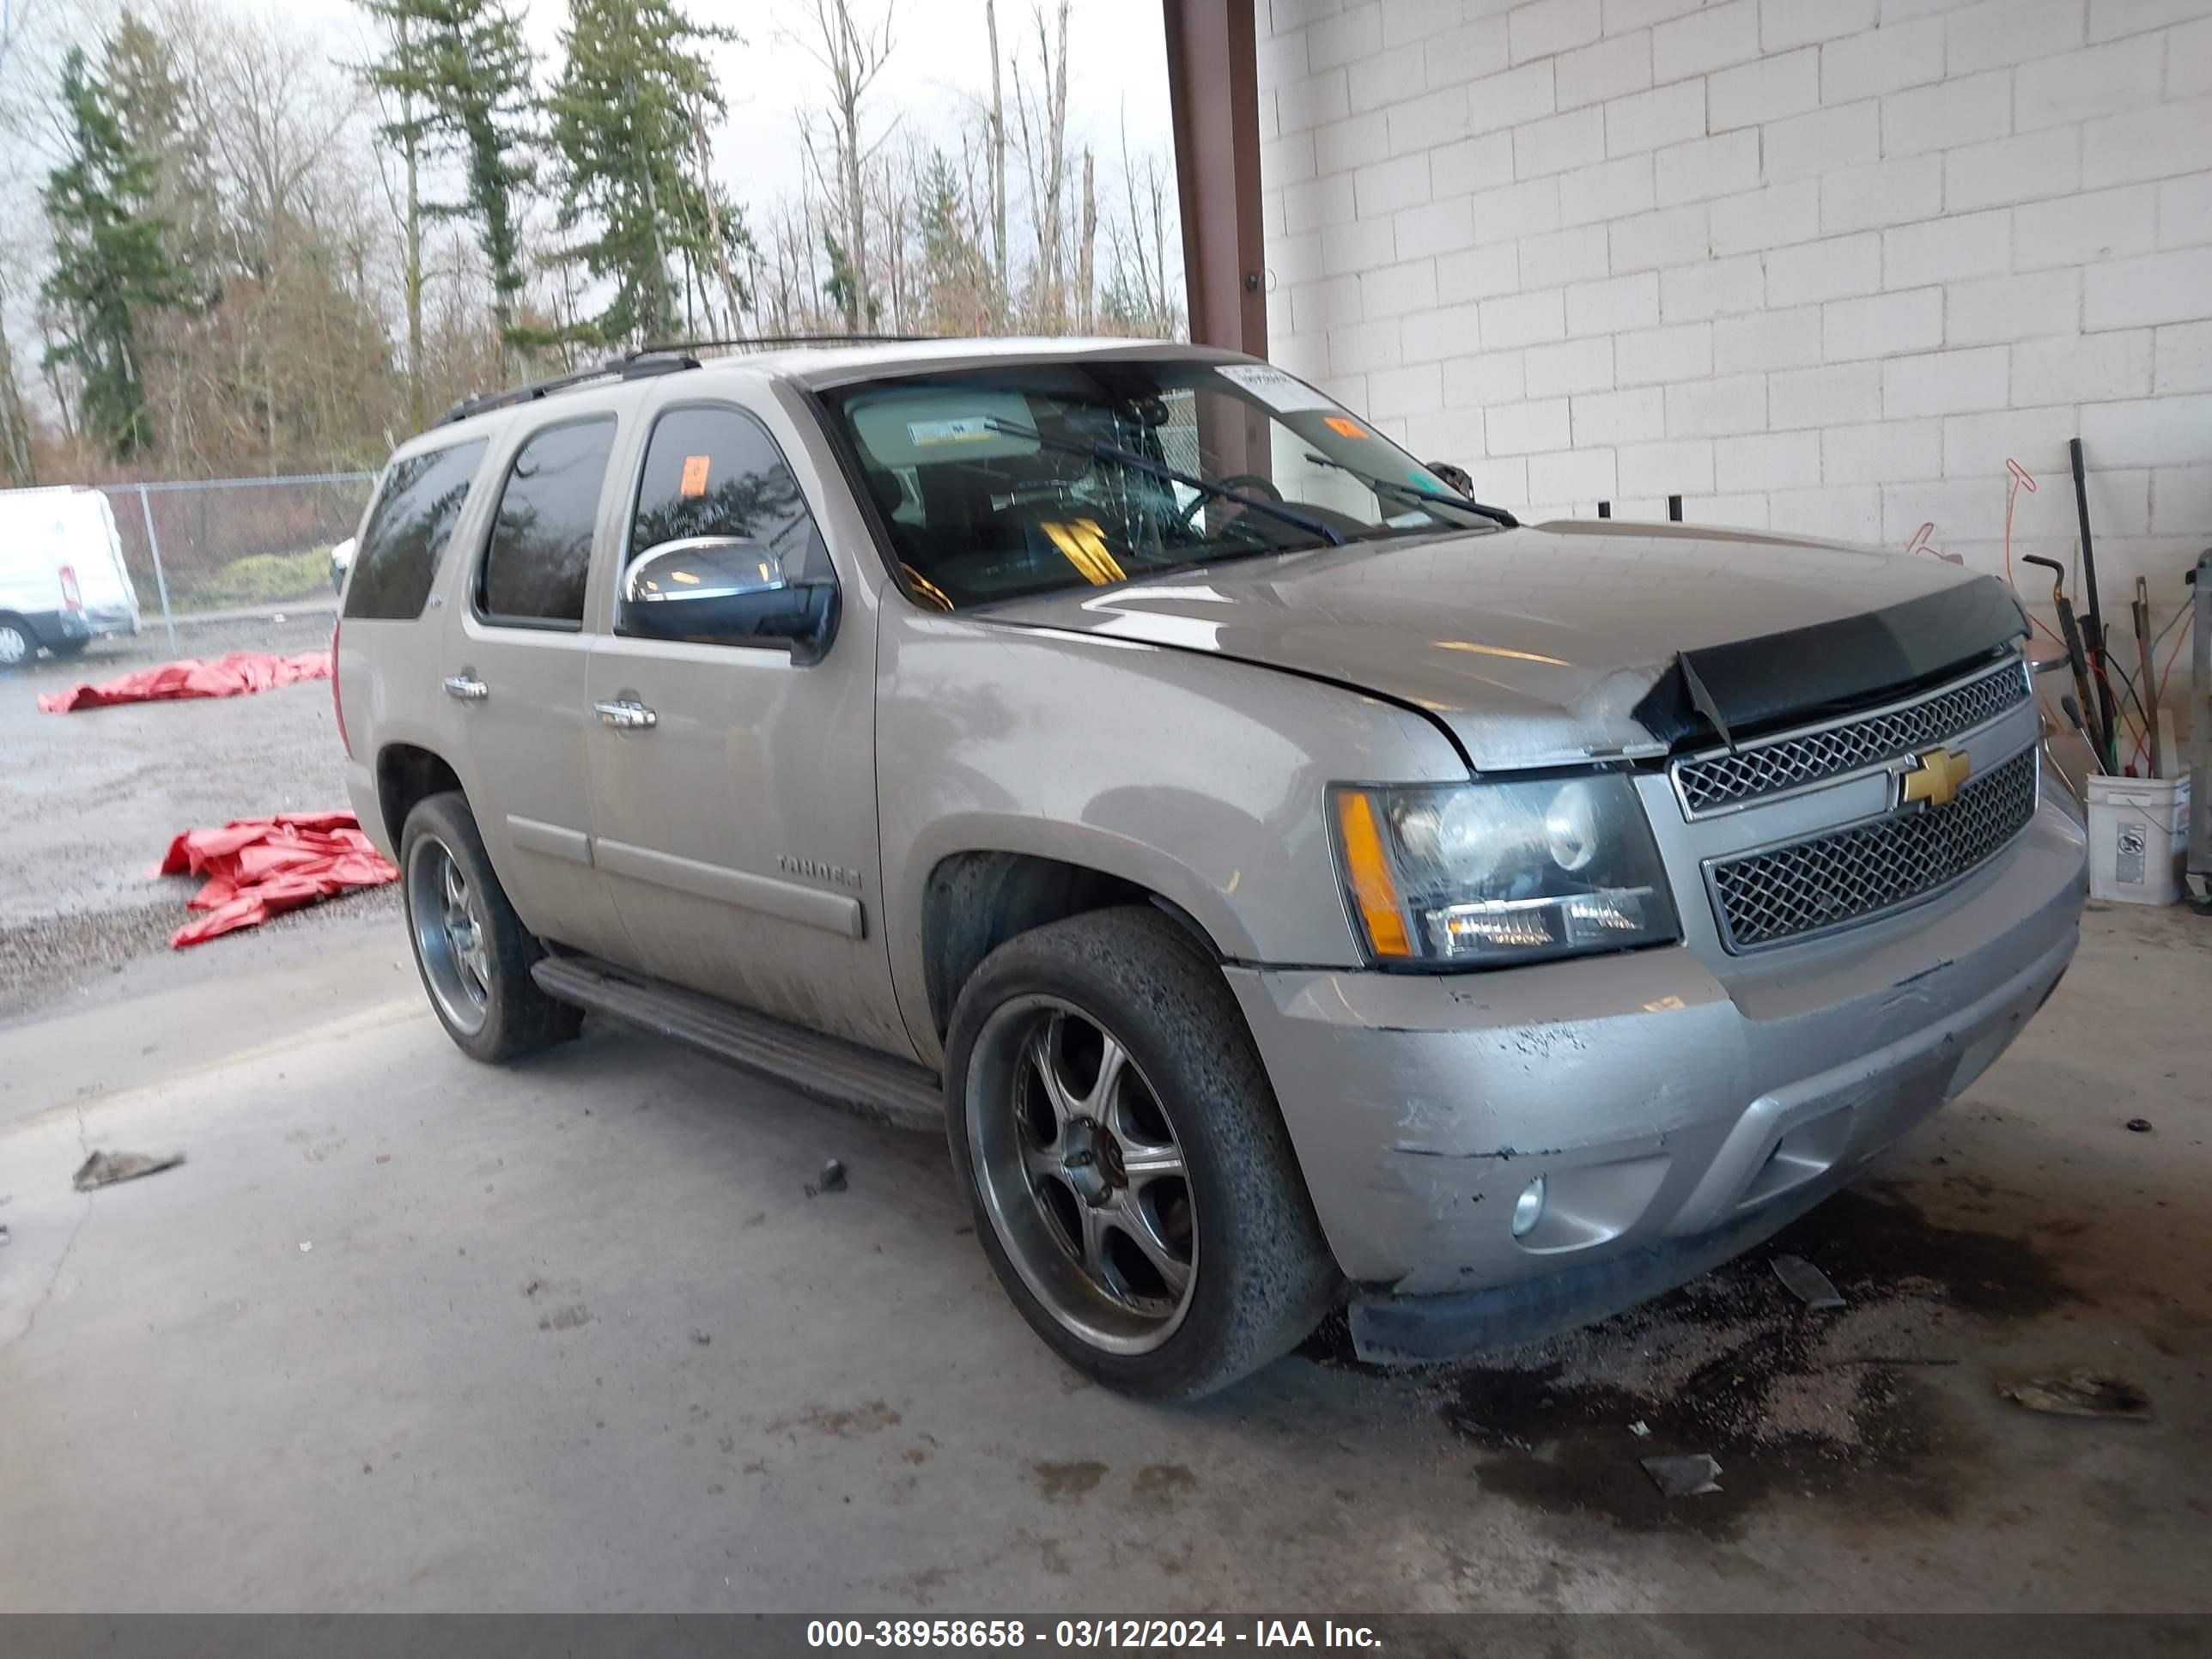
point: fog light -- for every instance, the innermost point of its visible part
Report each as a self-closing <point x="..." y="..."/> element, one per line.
<point x="1528" y="1208"/>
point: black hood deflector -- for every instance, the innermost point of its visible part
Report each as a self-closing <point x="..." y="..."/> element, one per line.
<point x="1804" y="673"/>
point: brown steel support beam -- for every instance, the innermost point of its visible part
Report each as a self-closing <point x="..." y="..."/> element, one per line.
<point x="1213" y="92"/>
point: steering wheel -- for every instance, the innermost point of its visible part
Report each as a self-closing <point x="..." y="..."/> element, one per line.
<point x="1244" y="481"/>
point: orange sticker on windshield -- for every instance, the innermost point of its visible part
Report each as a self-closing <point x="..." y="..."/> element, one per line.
<point x="694" y="476"/>
<point x="1344" y="426"/>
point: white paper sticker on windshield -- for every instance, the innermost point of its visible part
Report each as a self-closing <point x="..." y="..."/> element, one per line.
<point x="1283" y="393"/>
<point x="969" y="430"/>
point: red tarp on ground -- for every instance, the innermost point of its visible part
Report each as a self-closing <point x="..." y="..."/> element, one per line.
<point x="233" y="676"/>
<point x="257" y="868"/>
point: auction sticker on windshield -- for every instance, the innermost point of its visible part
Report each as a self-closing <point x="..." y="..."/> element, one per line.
<point x="964" y="430"/>
<point x="1283" y="393"/>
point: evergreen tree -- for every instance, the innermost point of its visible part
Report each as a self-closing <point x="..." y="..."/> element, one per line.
<point x="459" y="72"/>
<point x="957" y="272"/>
<point x="840" y="287"/>
<point x="111" y="264"/>
<point x="628" y="109"/>
<point x="154" y="105"/>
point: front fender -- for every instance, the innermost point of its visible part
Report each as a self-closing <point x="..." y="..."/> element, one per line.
<point x="1201" y="778"/>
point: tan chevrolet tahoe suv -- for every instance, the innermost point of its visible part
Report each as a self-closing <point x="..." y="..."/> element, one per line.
<point x="1293" y="885"/>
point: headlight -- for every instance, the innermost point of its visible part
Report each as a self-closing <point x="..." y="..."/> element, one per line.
<point x="1482" y="874"/>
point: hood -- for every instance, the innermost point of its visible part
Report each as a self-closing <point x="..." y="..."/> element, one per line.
<point x="1560" y="643"/>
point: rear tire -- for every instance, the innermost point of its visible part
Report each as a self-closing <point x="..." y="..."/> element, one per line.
<point x="472" y="950"/>
<point x="17" y="644"/>
<point x="1130" y="1175"/>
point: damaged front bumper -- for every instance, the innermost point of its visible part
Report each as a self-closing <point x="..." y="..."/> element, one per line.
<point x="1679" y="1107"/>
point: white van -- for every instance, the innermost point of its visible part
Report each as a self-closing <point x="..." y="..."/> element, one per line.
<point x="63" y="581"/>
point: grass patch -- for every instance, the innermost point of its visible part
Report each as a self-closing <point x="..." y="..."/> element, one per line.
<point x="258" y="579"/>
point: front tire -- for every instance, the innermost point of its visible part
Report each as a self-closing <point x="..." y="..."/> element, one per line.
<point x="1131" y="1178"/>
<point x="17" y="646"/>
<point x="472" y="950"/>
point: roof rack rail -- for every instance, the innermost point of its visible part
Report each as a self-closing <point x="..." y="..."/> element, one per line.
<point x="661" y="357"/>
<point x="786" y="340"/>
<point x="632" y="366"/>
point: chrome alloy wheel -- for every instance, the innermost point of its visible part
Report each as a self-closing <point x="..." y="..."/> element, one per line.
<point x="451" y="938"/>
<point x="14" y="646"/>
<point x="1081" y="1174"/>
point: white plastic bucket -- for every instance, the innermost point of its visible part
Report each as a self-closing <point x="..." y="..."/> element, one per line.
<point x="2138" y="835"/>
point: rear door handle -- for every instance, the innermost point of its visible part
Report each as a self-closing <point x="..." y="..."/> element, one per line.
<point x="467" y="688"/>
<point x="626" y="716"/>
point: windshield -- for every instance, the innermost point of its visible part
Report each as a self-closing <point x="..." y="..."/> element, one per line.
<point x="1002" y="482"/>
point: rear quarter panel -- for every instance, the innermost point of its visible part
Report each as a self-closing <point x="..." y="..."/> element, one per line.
<point x="389" y="671"/>
<point x="1201" y="778"/>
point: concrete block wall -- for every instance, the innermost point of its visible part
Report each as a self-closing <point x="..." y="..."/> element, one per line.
<point x="1818" y="266"/>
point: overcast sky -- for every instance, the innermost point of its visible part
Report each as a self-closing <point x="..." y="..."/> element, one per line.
<point x="940" y="57"/>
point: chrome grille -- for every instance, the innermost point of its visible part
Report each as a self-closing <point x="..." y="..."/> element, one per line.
<point x="1708" y="782"/>
<point x="1810" y="886"/>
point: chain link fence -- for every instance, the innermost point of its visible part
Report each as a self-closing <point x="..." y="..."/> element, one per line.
<point x="217" y="543"/>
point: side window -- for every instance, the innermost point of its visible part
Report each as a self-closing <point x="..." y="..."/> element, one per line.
<point x="415" y="514"/>
<point x="540" y="550"/>
<point x="715" y="472"/>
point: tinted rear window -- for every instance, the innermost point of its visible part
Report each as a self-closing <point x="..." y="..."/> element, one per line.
<point x="540" y="552"/>
<point x="415" y="515"/>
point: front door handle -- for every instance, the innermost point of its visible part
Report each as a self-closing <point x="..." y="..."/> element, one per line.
<point x="626" y="716"/>
<point x="467" y="688"/>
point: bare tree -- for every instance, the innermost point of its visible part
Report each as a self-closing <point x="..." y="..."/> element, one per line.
<point x="852" y="54"/>
<point x="1042" y="121"/>
<point x="404" y="126"/>
<point x="1139" y="295"/>
<point x="998" y="155"/>
<point x="718" y="237"/>
<point x="24" y="80"/>
<point x="1086" y="293"/>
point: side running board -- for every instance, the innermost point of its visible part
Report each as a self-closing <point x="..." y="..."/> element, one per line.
<point x="898" y="1092"/>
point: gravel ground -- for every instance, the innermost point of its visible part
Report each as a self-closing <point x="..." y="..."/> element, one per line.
<point x="89" y="801"/>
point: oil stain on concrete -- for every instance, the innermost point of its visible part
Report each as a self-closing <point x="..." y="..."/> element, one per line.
<point x="1066" y="1482"/>
<point x="1789" y="1401"/>
<point x="840" y="1422"/>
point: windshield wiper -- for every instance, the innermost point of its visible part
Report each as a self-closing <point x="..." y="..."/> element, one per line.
<point x="1497" y="515"/>
<point x="1099" y="449"/>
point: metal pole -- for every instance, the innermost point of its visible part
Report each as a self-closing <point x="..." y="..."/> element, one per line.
<point x="154" y="544"/>
<point x="1213" y="109"/>
<point x="2199" y="866"/>
<point x="2095" y="616"/>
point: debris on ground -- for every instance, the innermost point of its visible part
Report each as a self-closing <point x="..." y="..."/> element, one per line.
<point x="304" y="1246"/>
<point x="833" y="1177"/>
<point x="2140" y="1125"/>
<point x="257" y="868"/>
<point x="1807" y="1283"/>
<point x="6" y="1237"/>
<point x="1888" y="1359"/>
<point x="237" y="674"/>
<point x="2085" y="1393"/>
<point x="106" y="1168"/>
<point x="701" y="1338"/>
<point x="1683" y="1477"/>
<point x="1640" y="1430"/>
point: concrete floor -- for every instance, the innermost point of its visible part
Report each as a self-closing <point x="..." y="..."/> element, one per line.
<point x="407" y="1332"/>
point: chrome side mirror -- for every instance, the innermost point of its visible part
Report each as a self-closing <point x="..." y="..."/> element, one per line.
<point x="726" y="590"/>
<point x="701" y="570"/>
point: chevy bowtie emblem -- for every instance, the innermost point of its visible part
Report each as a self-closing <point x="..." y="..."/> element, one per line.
<point x="1935" y="777"/>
